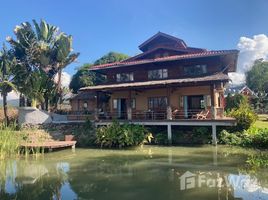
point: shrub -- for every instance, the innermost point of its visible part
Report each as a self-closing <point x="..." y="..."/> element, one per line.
<point x="85" y="135"/>
<point x="244" y="115"/>
<point x="233" y="102"/>
<point x="229" y="138"/>
<point x="161" y="139"/>
<point x="191" y="135"/>
<point x="126" y="135"/>
<point x="253" y="137"/>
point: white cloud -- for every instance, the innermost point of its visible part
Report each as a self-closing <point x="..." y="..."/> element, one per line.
<point x="65" y="79"/>
<point x="251" y="49"/>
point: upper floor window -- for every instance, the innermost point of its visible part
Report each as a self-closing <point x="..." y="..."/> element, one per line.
<point x="124" y="77"/>
<point x="195" y="70"/>
<point x="157" y="74"/>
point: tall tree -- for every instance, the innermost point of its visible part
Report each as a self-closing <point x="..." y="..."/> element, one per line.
<point x="111" y="57"/>
<point x="42" y="52"/>
<point x="7" y="61"/>
<point x="83" y="77"/>
<point x="257" y="77"/>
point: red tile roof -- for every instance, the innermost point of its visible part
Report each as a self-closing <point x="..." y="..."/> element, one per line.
<point x="162" y="59"/>
<point x="214" y="77"/>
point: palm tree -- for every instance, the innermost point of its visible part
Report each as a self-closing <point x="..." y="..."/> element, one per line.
<point x="6" y="77"/>
<point x="41" y="48"/>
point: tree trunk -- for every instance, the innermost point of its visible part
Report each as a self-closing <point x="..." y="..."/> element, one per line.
<point x="5" y="108"/>
<point x="58" y="100"/>
<point x="34" y="103"/>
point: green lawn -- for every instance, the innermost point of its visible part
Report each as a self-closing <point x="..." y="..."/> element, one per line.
<point x="262" y="121"/>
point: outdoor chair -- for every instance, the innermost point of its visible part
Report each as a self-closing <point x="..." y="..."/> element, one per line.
<point x="202" y="115"/>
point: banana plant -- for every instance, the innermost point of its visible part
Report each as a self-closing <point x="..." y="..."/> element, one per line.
<point x="6" y="77"/>
<point x="42" y="48"/>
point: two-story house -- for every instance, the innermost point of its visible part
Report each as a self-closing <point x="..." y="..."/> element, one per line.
<point x="168" y="81"/>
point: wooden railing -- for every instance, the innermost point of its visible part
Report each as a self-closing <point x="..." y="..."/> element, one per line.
<point x="176" y="114"/>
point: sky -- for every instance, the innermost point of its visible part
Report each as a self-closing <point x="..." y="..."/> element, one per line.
<point x="100" y="26"/>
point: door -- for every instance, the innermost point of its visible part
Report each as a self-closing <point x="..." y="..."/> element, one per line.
<point x="122" y="108"/>
<point x="195" y="104"/>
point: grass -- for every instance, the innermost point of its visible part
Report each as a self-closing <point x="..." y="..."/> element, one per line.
<point x="262" y="121"/>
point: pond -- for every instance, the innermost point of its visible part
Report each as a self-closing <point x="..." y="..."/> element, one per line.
<point x="148" y="172"/>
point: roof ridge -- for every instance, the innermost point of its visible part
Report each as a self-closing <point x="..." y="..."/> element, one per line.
<point x="167" y="58"/>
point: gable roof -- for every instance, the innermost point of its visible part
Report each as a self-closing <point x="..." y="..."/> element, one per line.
<point x="143" y="46"/>
<point x="238" y="89"/>
<point x="167" y="58"/>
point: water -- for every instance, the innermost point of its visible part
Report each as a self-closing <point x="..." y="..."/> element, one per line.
<point x="150" y="172"/>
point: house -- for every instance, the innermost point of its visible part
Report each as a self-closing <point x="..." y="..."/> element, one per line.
<point x="169" y="83"/>
<point x="240" y="89"/>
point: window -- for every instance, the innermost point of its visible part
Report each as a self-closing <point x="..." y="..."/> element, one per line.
<point x="195" y="70"/>
<point x="124" y="77"/>
<point x="157" y="74"/>
<point x="115" y="102"/>
<point x="157" y="103"/>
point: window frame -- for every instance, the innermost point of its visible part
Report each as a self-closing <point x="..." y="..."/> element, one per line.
<point x="195" y="70"/>
<point x="161" y="72"/>
<point x="128" y="75"/>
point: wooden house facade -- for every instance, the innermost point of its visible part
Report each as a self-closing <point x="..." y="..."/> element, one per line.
<point x="167" y="81"/>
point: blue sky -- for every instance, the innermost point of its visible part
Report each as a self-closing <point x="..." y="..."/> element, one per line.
<point x="100" y="26"/>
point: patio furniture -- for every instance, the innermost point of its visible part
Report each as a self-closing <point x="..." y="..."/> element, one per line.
<point x="202" y="115"/>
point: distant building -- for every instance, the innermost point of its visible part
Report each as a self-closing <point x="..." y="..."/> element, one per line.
<point x="240" y="89"/>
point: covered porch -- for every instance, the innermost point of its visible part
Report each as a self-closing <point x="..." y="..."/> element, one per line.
<point x="174" y="99"/>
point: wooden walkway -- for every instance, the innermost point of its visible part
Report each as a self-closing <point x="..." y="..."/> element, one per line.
<point x="50" y="145"/>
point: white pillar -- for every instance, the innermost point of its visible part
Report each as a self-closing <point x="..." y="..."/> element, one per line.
<point x="169" y="113"/>
<point x="169" y="133"/>
<point x="214" y="135"/>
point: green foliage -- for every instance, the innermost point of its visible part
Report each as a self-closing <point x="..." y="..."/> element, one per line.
<point x="85" y="136"/>
<point x="161" y="139"/>
<point x="244" y="115"/>
<point x="118" y="136"/>
<point x="83" y="77"/>
<point x="233" y="102"/>
<point x="258" y="161"/>
<point x="253" y="137"/>
<point x="42" y="51"/>
<point x="7" y="62"/>
<point x="9" y="143"/>
<point x="192" y="135"/>
<point x="110" y="58"/>
<point x="229" y="138"/>
<point x="257" y="77"/>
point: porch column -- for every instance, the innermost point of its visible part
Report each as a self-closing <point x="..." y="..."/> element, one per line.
<point x="169" y="130"/>
<point x="213" y="101"/>
<point x="129" y="107"/>
<point x="214" y="134"/>
<point x="96" y="113"/>
<point x="169" y="109"/>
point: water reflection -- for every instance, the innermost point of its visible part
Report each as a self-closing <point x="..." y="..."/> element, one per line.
<point x="145" y="173"/>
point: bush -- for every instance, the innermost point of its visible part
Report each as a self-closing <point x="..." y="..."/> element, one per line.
<point x="253" y="137"/>
<point x="126" y="135"/>
<point x="229" y="138"/>
<point x="244" y="115"/>
<point x="191" y="135"/>
<point x="161" y="139"/>
<point x="9" y="143"/>
<point x="85" y="135"/>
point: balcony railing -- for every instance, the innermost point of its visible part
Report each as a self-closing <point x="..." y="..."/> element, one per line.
<point x="176" y="114"/>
